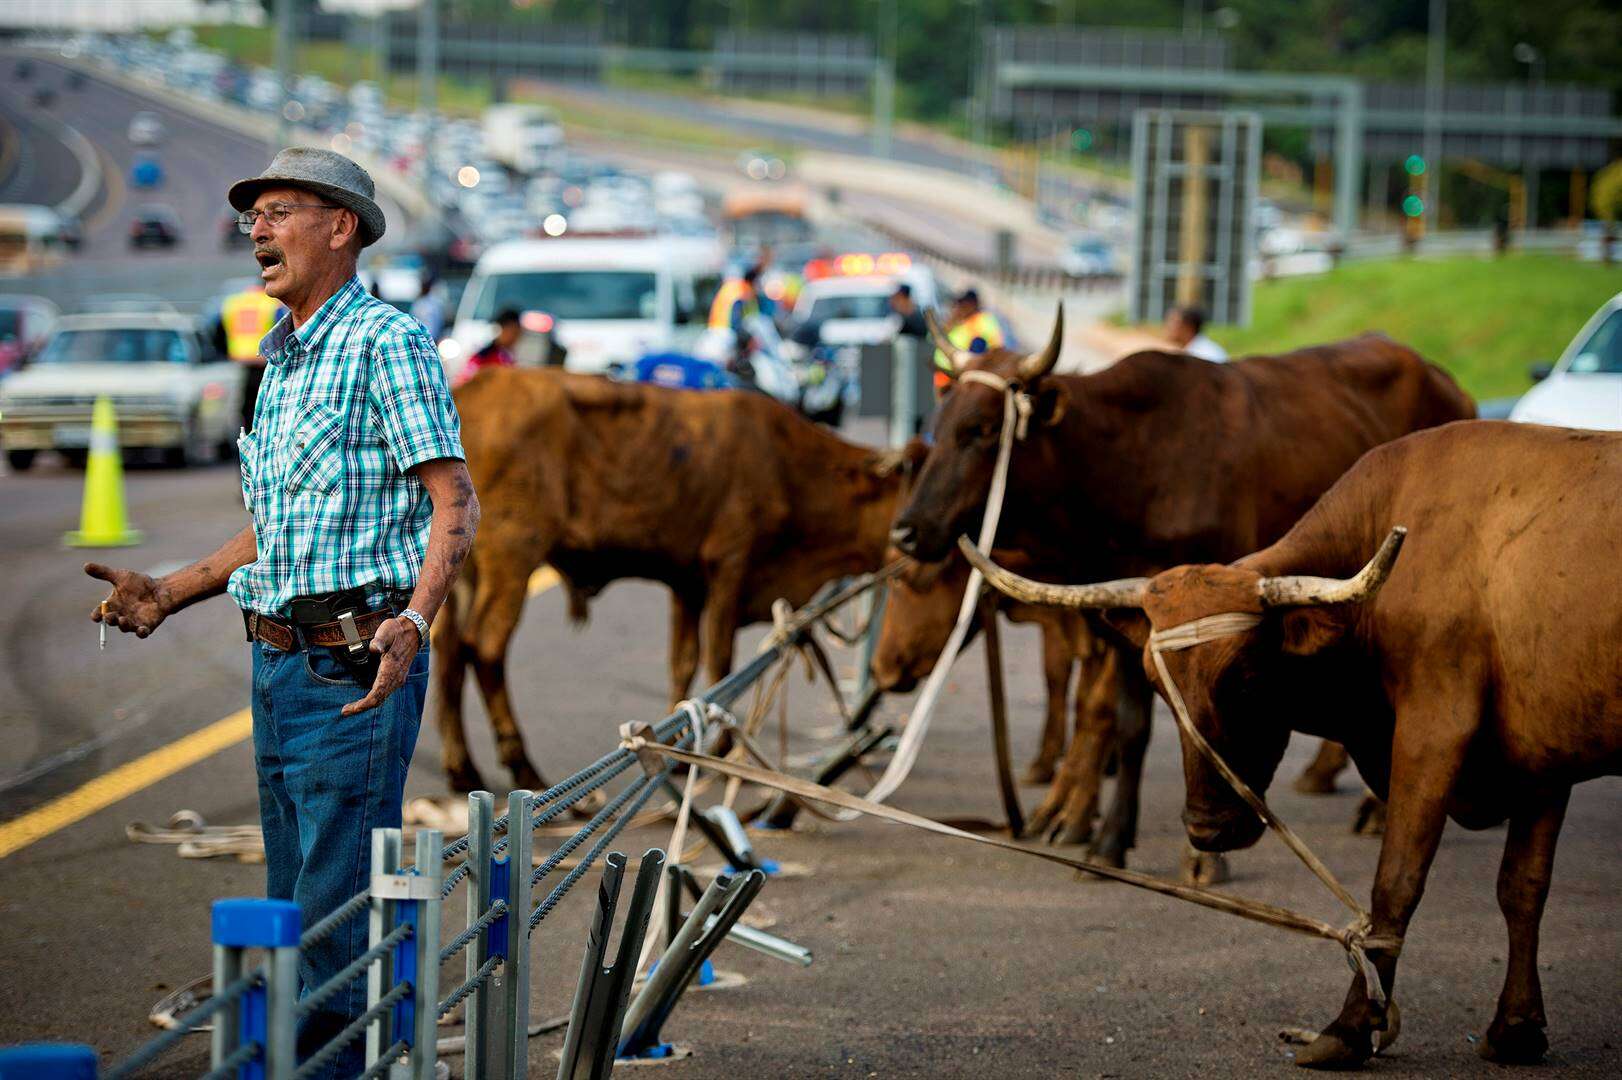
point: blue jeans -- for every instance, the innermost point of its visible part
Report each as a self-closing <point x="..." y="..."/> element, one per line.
<point x="325" y="782"/>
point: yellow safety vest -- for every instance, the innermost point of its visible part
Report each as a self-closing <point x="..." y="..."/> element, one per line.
<point x="982" y="324"/>
<point x="728" y="294"/>
<point x="247" y="317"/>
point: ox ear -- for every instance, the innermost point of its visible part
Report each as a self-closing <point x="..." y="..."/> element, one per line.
<point x="1307" y="631"/>
<point x="1049" y="402"/>
<point x="1130" y="623"/>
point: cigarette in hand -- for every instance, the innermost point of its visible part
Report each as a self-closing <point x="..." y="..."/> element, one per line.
<point x="103" y="627"/>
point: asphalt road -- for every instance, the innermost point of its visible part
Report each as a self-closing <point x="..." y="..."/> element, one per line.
<point x="35" y="165"/>
<point x="933" y="958"/>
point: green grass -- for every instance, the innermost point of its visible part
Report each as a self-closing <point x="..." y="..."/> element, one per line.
<point x="1484" y="320"/>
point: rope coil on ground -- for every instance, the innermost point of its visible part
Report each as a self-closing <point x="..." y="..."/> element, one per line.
<point x="184" y="1026"/>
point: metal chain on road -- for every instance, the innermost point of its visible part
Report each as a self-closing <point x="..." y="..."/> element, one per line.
<point x="327" y="1053"/>
<point x="336" y="918"/>
<point x="184" y="1026"/>
<point x="357" y="967"/>
<point x="455" y="997"/>
<point x="496" y="911"/>
<point x="234" y="1061"/>
<point x="544" y="908"/>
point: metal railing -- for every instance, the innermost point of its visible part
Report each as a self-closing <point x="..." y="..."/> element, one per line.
<point x="255" y="1016"/>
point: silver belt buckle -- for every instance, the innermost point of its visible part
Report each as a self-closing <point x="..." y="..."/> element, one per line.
<point x="352" y="641"/>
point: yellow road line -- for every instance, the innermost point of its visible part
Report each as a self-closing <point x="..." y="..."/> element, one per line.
<point x="124" y="781"/>
<point x="143" y="772"/>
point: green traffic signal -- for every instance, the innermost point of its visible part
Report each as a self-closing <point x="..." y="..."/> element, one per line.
<point x="1413" y="206"/>
<point x="1081" y="139"/>
<point x="1415" y="165"/>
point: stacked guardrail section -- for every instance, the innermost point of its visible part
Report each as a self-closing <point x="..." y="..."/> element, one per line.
<point x="256" y="1006"/>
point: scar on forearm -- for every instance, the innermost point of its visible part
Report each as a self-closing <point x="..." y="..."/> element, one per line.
<point x="458" y="531"/>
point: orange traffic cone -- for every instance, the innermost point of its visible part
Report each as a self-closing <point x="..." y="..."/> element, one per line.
<point x="101" y="518"/>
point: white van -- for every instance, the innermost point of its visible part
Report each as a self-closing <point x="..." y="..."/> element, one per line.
<point x="607" y="301"/>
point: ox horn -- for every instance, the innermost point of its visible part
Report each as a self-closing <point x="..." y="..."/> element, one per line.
<point x="1039" y="364"/>
<point x="1122" y="593"/>
<point x="1299" y="590"/>
<point x="955" y="357"/>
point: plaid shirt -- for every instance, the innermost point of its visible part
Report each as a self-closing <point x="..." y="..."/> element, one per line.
<point x="351" y="401"/>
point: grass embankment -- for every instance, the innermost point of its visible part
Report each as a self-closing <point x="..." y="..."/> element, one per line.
<point x="1484" y="320"/>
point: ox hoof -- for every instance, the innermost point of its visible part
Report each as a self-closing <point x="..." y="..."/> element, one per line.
<point x="464" y="781"/>
<point x="1370" y="817"/>
<point x="1037" y="772"/>
<point x="1519" y="1043"/>
<point x="1393" y="1027"/>
<point x="1108" y="855"/>
<point x="1072" y="832"/>
<point x="1336" y="1048"/>
<point x="1036" y="827"/>
<point x="1315" y="783"/>
<point x="1203" y="869"/>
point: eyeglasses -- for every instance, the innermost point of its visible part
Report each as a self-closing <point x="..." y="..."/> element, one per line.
<point x="276" y="213"/>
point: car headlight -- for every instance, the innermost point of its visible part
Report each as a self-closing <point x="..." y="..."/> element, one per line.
<point x="450" y="349"/>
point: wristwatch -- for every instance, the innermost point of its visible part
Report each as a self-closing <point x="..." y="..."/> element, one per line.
<point x="419" y="622"/>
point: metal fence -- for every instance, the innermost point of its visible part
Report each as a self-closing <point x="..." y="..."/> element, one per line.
<point x="256" y="1004"/>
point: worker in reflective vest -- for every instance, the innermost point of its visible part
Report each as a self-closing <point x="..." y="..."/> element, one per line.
<point x="245" y="318"/>
<point x="735" y="301"/>
<point x="970" y="327"/>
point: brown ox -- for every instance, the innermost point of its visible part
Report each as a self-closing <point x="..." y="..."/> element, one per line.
<point x="1158" y="460"/>
<point x="919" y="613"/>
<point x="726" y="497"/>
<point x="1482" y="682"/>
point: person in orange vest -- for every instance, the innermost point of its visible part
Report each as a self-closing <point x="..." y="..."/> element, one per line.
<point x="245" y="318"/>
<point x="970" y="327"/>
<point x="735" y="302"/>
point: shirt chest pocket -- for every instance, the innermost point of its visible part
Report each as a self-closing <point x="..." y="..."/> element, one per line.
<point x="248" y="455"/>
<point x="314" y="451"/>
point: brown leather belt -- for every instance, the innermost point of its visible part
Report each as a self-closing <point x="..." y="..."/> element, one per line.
<point x="279" y="634"/>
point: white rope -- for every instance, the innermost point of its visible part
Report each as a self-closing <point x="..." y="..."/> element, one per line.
<point x="1015" y="414"/>
<point x="678" y="834"/>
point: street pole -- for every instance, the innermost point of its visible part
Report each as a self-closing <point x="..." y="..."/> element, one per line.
<point x="428" y="79"/>
<point x="284" y="67"/>
<point x="1435" y="58"/>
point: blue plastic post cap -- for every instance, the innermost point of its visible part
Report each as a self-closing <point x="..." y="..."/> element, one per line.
<point x="250" y="922"/>
<point x="48" y="1061"/>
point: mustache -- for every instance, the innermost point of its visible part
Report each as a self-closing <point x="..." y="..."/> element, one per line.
<point x="273" y="252"/>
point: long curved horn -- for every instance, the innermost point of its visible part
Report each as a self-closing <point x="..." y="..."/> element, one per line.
<point x="955" y="356"/>
<point x="1122" y="593"/>
<point x="1039" y="364"/>
<point x="1299" y="590"/>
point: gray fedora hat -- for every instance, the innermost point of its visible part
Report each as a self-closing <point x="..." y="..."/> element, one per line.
<point x="328" y="174"/>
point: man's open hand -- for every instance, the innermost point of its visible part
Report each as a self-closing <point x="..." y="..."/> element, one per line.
<point x="397" y="643"/>
<point x="135" y="605"/>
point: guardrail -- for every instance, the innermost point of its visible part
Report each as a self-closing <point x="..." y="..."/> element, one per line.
<point x="256" y="1007"/>
<point x="1021" y="275"/>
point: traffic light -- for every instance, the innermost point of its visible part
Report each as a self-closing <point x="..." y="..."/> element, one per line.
<point x="1413" y="206"/>
<point x="1415" y="165"/>
<point x="1081" y="140"/>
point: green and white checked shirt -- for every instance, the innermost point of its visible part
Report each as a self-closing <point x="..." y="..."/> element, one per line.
<point x="351" y="401"/>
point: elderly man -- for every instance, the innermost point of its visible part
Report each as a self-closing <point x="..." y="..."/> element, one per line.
<point x="362" y="514"/>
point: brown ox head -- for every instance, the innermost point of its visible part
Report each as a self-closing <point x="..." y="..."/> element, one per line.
<point x="950" y="495"/>
<point x="1239" y="688"/>
<point x="919" y="612"/>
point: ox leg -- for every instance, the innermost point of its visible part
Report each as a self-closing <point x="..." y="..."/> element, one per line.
<point x="1118" y="833"/>
<point x="683" y="645"/>
<point x="1516" y="1035"/>
<point x="1318" y="778"/>
<point x="450" y="660"/>
<point x="495" y="617"/>
<point x="718" y="624"/>
<point x="1426" y="756"/>
<point x="1058" y="656"/>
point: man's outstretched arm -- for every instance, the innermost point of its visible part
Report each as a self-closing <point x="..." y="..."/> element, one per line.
<point x="139" y="603"/>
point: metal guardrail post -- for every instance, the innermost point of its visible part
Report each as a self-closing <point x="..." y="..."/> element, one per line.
<point x="423" y="1030"/>
<point x="264" y="1013"/>
<point x="515" y="975"/>
<point x="714" y="914"/>
<point x="740" y="852"/>
<point x="599" y="1000"/>
<point x="480" y="818"/>
<point x="767" y="944"/>
<point x="380" y="920"/>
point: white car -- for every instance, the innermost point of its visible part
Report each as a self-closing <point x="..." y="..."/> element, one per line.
<point x="173" y="393"/>
<point x="852" y="306"/>
<point x="1583" y="389"/>
<point x="146" y="129"/>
